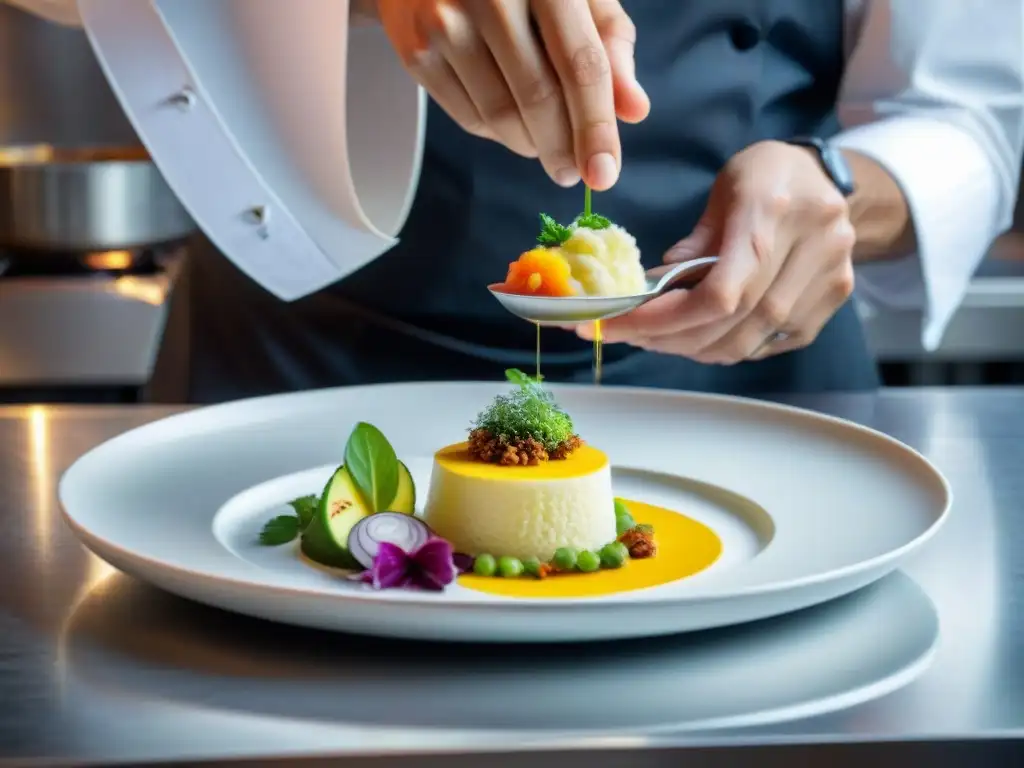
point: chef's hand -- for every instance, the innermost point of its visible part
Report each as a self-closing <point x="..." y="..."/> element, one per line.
<point x="546" y="78"/>
<point x="784" y="239"/>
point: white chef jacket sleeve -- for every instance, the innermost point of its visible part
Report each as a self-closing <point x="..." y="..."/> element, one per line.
<point x="934" y="92"/>
<point x="293" y="141"/>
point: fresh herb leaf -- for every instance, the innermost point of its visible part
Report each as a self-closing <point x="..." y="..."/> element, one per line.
<point x="529" y="411"/>
<point x="552" y="234"/>
<point x="592" y="221"/>
<point x="280" y="530"/>
<point x="373" y="466"/>
<point x="517" y="377"/>
<point x="644" y="528"/>
<point x="305" y="508"/>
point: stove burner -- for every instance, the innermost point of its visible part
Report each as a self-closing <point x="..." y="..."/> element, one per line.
<point x="99" y="264"/>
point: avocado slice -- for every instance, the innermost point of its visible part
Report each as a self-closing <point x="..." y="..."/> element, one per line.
<point x="325" y="539"/>
<point x="405" y="499"/>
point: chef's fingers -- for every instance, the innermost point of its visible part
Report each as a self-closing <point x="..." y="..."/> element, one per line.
<point x="818" y="302"/>
<point x="795" y="289"/>
<point x="618" y="33"/>
<point x="454" y="34"/>
<point x="578" y="55"/>
<point x="411" y="37"/>
<point x="536" y="89"/>
<point x="439" y="79"/>
<point x="722" y="299"/>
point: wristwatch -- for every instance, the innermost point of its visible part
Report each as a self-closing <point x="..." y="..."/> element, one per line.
<point x="832" y="162"/>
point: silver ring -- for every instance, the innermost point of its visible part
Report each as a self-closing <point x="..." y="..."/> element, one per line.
<point x="775" y="338"/>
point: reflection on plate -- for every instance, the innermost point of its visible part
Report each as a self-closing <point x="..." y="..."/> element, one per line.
<point x="126" y="639"/>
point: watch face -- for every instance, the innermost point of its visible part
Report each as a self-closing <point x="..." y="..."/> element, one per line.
<point x="839" y="170"/>
<point x="833" y="162"/>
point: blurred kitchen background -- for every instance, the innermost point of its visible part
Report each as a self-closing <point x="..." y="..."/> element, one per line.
<point x="92" y="296"/>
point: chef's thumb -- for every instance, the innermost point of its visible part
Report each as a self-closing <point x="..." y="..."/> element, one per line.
<point x="697" y="245"/>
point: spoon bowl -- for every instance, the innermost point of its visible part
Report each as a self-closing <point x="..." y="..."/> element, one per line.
<point x="570" y="310"/>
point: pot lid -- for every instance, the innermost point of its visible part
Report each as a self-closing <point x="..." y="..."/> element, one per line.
<point x="293" y="142"/>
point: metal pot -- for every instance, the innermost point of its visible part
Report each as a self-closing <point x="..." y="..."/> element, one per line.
<point x="85" y="199"/>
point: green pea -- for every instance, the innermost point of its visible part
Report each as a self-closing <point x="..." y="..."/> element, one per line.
<point x="588" y="561"/>
<point x="510" y="567"/>
<point x="614" y="555"/>
<point x="621" y="508"/>
<point x="532" y="566"/>
<point x="565" y="559"/>
<point x="623" y="523"/>
<point x="484" y="565"/>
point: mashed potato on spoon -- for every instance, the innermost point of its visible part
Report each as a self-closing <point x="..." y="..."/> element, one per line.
<point x="591" y="257"/>
<point x="604" y="262"/>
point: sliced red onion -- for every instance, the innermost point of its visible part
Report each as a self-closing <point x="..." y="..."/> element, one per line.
<point x="404" y="531"/>
<point x="463" y="563"/>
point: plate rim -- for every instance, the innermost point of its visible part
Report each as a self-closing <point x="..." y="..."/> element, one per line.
<point x="98" y="545"/>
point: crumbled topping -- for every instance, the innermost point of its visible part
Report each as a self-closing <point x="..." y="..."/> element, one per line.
<point x="519" y="451"/>
<point x="639" y="540"/>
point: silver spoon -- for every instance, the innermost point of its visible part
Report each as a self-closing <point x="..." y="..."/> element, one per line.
<point x="566" y="310"/>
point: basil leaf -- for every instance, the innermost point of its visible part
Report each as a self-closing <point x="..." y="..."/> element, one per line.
<point x="280" y="530"/>
<point x="373" y="466"/>
<point x="305" y="507"/>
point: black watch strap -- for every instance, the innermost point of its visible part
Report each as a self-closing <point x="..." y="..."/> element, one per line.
<point x="832" y="161"/>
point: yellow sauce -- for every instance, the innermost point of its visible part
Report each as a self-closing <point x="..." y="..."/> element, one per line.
<point x="685" y="548"/>
<point x="585" y="460"/>
<point x="597" y="352"/>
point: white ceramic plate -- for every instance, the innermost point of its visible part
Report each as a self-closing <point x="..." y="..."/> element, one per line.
<point x="808" y="507"/>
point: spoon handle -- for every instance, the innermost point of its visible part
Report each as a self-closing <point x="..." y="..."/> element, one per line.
<point x="686" y="274"/>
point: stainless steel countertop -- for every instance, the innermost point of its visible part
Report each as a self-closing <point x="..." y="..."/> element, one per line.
<point x="97" y="668"/>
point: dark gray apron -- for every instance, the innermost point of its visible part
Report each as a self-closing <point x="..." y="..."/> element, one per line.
<point x="721" y="74"/>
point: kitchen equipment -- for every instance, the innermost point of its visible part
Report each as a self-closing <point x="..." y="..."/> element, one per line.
<point x="84" y="326"/>
<point x="92" y="239"/>
<point x="560" y="310"/>
<point x="91" y="247"/>
<point x="85" y="199"/>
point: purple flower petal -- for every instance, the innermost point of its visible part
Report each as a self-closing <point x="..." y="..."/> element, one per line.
<point x="434" y="561"/>
<point x="421" y="579"/>
<point x="463" y="563"/>
<point x="391" y="567"/>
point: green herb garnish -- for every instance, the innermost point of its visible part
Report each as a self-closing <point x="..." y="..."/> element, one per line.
<point x="373" y="466"/>
<point x="304" y="507"/>
<point x="592" y="221"/>
<point x="285" y="528"/>
<point x="374" y="469"/>
<point x="528" y="412"/>
<point x="280" y="530"/>
<point x="552" y="234"/>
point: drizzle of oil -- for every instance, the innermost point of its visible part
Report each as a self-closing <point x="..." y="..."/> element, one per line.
<point x="538" y="351"/>
<point x="598" y="347"/>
